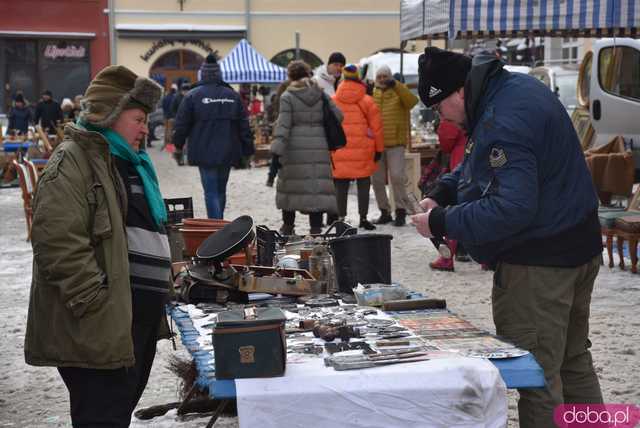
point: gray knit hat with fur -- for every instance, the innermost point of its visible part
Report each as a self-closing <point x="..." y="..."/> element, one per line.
<point x="115" y="89"/>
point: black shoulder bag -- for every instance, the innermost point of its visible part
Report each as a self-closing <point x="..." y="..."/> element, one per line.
<point x="332" y="127"/>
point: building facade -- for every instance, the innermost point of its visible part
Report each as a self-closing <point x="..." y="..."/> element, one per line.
<point x="56" y="45"/>
<point x="166" y="39"/>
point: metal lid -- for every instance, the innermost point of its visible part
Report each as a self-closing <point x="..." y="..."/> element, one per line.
<point x="228" y="240"/>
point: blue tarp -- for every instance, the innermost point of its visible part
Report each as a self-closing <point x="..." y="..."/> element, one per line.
<point x="245" y="65"/>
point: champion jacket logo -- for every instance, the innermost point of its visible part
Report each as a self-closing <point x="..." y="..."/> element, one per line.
<point x="434" y="91"/>
<point x="217" y="100"/>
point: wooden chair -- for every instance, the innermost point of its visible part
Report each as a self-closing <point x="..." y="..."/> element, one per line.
<point x="45" y="139"/>
<point x="621" y="225"/>
<point x="33" y="173"/>
<point x="27" y="193"/>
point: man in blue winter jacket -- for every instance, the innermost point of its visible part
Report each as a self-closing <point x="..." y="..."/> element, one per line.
<point x="212" y="118"/>
<point x="522" y="202"/>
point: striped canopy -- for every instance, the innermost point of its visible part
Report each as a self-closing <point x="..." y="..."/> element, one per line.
<point x="245" y="65"/>
<point x="511" y="18"/>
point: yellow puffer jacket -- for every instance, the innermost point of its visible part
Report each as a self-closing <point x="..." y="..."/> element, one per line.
<point x="395" y="104"/>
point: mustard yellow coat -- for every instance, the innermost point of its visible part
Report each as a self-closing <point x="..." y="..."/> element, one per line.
<point x="395" y="104"/>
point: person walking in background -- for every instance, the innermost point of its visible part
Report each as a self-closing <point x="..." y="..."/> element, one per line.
<point x="358" y="159"/>
<point x="274" y="110"/>
<point x="19" y="117"/>
<point x="76" y="106"/>
<point x="305" y="183"/>
<point x="452" y="140"/>
<point x="101" y="259"/>
<point x="48" y="113"/>
<point x="328" y="76"/>
<point x="67" y="110"/>
<point x="177" y="99"/>
<point x="213" y="119"/>
<point x="395" y="102"/>
<point x="168" y="114"/>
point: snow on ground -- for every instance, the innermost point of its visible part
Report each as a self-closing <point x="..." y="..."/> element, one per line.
<point x="36" y="396"/>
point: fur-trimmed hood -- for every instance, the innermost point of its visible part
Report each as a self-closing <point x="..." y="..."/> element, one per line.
<point x="115" y="89"/>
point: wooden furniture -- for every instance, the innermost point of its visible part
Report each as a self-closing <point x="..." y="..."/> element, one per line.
<point x="623" y="225"/>
<point x="45" y="139"/>
<point x="628" y="229"/>
<point x="427" y="149"/>
<point x="27" y="193"/>
<point x="33" y="173"/>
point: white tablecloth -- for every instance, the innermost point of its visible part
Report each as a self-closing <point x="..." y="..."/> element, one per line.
<point x="448" y="393"/>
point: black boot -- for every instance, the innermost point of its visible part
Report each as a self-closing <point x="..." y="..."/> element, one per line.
<point x="315" y="230"/>
<point x="287" y="230"/>
<point x="401" y="217"/>
<point x="385" y="217"/>
<point x="366" y="224"/>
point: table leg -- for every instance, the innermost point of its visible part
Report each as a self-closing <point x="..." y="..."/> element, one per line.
<point x="620" y="242"/>
<point x="610" y="248"/>
<point x="633" y="251"/>
<point x="190" y="394"/>
<point x="217" y="413"/>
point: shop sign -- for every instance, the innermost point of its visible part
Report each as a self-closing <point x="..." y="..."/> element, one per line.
<point x="69" y="51"/>
<point x="171" y="42"/>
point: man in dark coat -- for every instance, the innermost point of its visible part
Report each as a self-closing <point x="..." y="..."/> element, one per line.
<point x="48" y="113"/>
<point x="19" y="116"/>
<point x="177" y="99"/>
<point x="213" y="119"/>
<point x="523" y="202"/>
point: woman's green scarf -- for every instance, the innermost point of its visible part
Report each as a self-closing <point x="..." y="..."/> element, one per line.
<point x="142" y="163"/>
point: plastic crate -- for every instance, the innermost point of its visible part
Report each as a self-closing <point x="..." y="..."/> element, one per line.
<point x="178" y="209"/>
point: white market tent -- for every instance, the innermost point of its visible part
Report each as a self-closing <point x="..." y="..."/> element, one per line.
<point x="432" y="19"/>
<point x="410" y="63"/>
<point x="243" y="64"/>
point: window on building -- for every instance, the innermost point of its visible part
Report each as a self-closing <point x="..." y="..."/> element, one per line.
<point x="619" y="71"/>
<point x="285" y="57"/>
<point x="21" y="69"/>
<point x="570" y="47"/>
<point x="64" y="67"/>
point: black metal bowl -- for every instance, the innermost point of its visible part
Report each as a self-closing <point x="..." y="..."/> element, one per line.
<point x="227" y="241"/>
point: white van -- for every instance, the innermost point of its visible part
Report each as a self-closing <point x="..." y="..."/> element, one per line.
<point x="611" y="86"/>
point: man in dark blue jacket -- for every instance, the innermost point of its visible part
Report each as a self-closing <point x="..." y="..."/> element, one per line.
<point x="213" y="119"/>
<point x="524" y="203"/>
<point x="19" y="116"/>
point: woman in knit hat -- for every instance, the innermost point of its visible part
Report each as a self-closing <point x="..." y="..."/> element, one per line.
<point x="305" y="183"/>
<point x="101" y="261"/>
<point x="363" y="128"/>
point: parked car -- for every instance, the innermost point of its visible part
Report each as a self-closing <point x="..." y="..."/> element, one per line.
<point x="156" y="125"/>
<point x="562" y="80"/>
<point x="611" y="90"/>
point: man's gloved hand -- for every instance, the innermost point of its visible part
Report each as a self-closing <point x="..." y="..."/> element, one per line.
<point x="179" y="157"/>
<point x="390" y="83"/>
<point x="377" y="156"/>
<point x="422" y="224"/>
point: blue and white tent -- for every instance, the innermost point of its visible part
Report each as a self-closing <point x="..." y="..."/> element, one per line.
<point x="245" y="65"/>
<point x="511" y="18"/>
